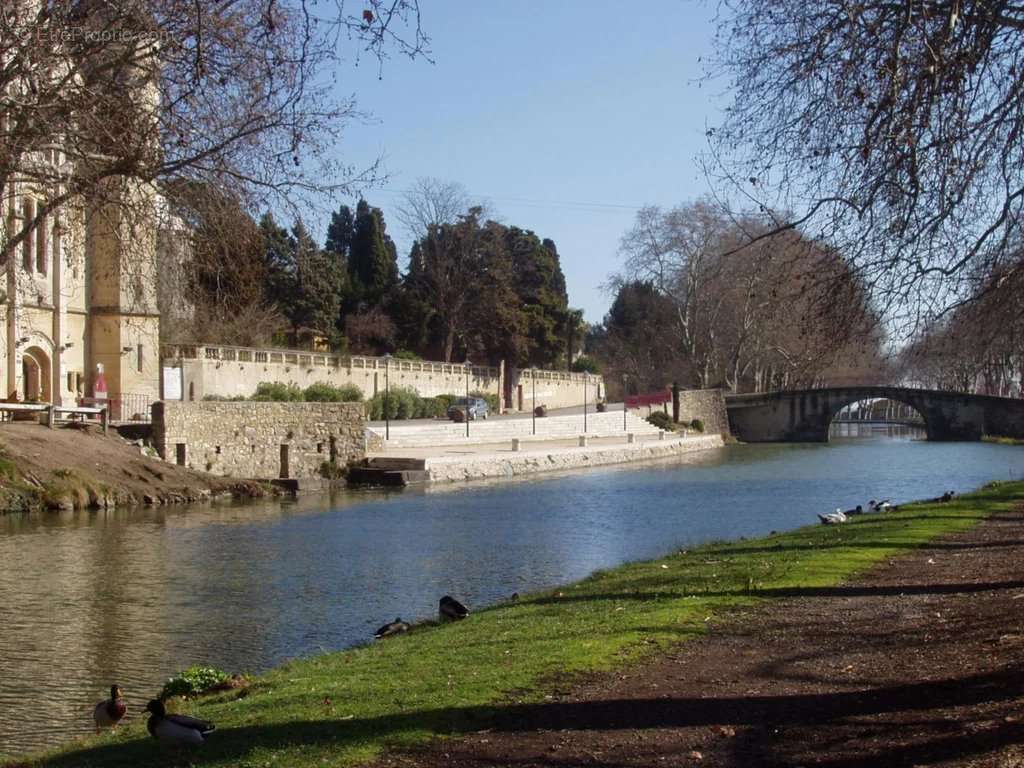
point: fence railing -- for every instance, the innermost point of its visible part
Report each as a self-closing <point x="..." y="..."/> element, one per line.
<point x="651" y="398"/>
<point x="129" y="406"/>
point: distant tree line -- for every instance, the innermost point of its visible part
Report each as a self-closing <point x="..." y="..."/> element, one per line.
<point x="474" y="288"/>
<point x="690" y="307"/>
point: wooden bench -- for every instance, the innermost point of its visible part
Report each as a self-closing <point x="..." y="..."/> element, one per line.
<point x="7" y="410"/>
<point x="53" y="412"/>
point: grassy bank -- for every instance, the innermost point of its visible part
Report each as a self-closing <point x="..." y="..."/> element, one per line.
<point x="343" y="708"/>
<point x="999" y="440"/>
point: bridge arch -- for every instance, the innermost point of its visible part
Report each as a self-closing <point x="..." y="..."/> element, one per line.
<point x="805" y="415"/>
<point x="838" y="406"/>
<point x="875" y="412"/>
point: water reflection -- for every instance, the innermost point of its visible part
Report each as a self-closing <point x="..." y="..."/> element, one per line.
<point x="131" y="596"/>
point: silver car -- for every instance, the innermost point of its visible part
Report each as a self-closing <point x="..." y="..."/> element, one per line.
<point x="477" y="409"/>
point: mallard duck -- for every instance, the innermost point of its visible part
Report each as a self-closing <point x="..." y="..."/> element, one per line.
<point x="176" y="729"/>
<point x="108" y="713"/>
<point x="448" y="608"/>
<point x="858" y="510"/>
<point x="879" y="506"/>
<point x="833" y="518"/>
<point x="393" y="628"/>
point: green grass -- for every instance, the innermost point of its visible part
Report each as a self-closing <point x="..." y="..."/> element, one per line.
<point x="343" y="708"/>
<point x="998" y="439"/>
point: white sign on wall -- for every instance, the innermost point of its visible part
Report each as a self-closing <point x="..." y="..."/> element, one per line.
<point x="172" y="382"/>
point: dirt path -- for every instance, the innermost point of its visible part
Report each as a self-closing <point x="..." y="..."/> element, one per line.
<point x="918" y="663"/>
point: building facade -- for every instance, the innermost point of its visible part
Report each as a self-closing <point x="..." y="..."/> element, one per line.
<point x="78" y="307"/>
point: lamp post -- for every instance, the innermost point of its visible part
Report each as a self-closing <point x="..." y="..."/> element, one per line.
<point x="467" y="364"/>
<point x="624" y="402"/>
<point x="533" y="383"/>
<point x="387" y="398"/>
<point x="586" y="376"/>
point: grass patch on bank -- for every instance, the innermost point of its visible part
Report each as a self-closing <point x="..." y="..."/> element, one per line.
<point x="1000" y="440"/>
<point x="344" y="708"/>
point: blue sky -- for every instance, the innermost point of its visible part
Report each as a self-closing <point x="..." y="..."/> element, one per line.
<point x="566" y="115"/>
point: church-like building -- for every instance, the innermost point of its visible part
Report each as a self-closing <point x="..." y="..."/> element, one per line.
<point x="79" y="305"/>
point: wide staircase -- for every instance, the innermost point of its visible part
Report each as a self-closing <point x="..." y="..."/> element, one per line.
<point x="426" y="434"/>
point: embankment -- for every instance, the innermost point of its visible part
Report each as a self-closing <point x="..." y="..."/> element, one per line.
<point x="479" y="466"/>
<point x="344" y="708"/>
<point x="78" y="467"/>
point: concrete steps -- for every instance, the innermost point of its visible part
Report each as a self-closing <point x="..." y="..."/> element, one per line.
<point x="428" y="434"/>
<point x="389" y="472"/>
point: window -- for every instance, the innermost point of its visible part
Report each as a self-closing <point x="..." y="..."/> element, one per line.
<point x="41" y="247"/>
<point x="71" y="381"/>
<point x="28" y="212"/>
<point x="138" y="356"/>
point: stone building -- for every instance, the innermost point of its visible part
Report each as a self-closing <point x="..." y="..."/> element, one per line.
<point x="78" y="305"/>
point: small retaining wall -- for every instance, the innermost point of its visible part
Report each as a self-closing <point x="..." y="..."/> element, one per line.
<point x="481" y="466"/>
<point x="259" y="440"/>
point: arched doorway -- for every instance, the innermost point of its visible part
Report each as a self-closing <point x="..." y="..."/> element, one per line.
<point x="35" y="369"/>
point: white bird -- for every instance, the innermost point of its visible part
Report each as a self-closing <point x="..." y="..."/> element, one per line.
<point x="833" y="518"/>
<point x="176" y="729"/>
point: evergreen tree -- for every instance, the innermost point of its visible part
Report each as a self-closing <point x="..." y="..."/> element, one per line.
<point x="319" y="286"/>
<point x="279" y="259"/>
<point x="372" y="257"/>
<point x="340" y="232"/>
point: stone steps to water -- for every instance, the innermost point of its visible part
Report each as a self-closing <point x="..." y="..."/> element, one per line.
<point x="386" y="471"/>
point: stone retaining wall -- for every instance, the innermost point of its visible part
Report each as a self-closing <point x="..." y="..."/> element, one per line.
<point x="496" y="465"/>
<point x="708" y="405"/>
<point x="259" y="440"/>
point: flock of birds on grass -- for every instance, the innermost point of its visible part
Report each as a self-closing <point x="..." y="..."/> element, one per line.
<point x="182" y="730"/>
<point x="841" y="516"/>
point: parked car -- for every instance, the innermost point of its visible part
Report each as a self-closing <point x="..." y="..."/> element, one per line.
<point x="477" y="409"/>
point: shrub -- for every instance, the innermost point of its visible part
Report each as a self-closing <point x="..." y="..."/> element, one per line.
<point x="402" y="403"/>
<point x="224" y="398"/>
<point x="193" y="681"/>
<point x="585" y="364"/>
<point x="406" y="354"/>
<point x="331" y="471"/>
<point x="278" y="392"/>
<point x="697" y="425"/>
<point x="661" y="420"/>
<point x="322" y="392"/>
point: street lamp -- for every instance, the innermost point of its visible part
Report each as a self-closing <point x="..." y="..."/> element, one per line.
<point x="467" y="364"/>
<point x="387" y="398"/>
<point x="585" y="377"/>
<point x="624" y="377"/>
<point x="533" y="382"/>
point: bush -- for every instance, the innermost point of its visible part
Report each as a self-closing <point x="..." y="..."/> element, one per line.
<point x="224" y="398"/>
<point x="193" y="681"/>
<point x="406" y="354"/>
<point x="322" y="392"/>
<point x="585" y="364"/>
<point x="402" y="403"/>
<point x="331" y="471"/>
<point x="278" y="392"/>
<point x="697" y="425"/>
<point x="661" y="420"/>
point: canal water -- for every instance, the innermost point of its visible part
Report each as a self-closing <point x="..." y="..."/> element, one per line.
<point x="90" y="599"/>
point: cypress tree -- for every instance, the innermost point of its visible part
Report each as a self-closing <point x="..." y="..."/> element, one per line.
<point x="372" y="258"/>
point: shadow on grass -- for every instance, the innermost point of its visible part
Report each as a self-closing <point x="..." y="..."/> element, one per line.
<point x="832" y="591"/>
<point x="232" y="744"/>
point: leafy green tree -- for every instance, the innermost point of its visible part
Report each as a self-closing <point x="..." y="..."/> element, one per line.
<point x="372" y="257"/>
<point x="279" y="260"/>
<point x="319" y="287"/>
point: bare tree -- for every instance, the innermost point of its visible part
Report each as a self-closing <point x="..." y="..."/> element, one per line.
<point x="101" y="101"/>
<point x="893" y="130"/>
<point x="433" y="202"/>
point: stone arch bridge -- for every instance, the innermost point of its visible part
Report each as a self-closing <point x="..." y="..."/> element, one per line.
<point x="805" y="415"/>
